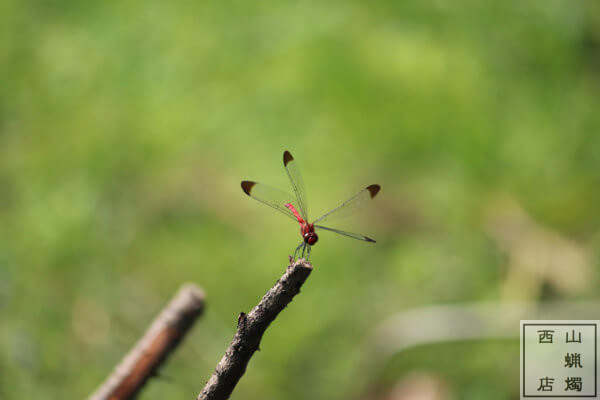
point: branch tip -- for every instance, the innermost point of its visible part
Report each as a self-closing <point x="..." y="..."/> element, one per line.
<point x="250" y="330"/>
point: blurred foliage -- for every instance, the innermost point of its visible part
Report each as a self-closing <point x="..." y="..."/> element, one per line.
<point x="125" y="129"/>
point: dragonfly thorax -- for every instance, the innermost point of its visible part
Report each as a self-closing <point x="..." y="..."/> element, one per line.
<point x="309" y="234"/>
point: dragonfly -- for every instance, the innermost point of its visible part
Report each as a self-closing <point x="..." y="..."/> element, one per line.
<point x="295" y="205"/>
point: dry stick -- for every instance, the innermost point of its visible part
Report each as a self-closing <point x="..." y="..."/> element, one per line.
<point x="165" y="333"/>
<point x="250" y="329"/>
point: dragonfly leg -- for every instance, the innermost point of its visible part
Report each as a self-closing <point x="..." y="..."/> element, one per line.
<point x="303" y="249"/>
<point x="297" y="250"/>
<point x="308" y="255"/>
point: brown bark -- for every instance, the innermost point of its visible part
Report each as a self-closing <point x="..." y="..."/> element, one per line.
<point x="163" y="336"/>
<point x="250" y="329"/>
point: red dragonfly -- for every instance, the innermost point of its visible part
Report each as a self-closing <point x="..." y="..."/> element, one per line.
<point x="296" y="208"/>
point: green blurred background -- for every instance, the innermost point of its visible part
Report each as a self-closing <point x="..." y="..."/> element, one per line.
<point x="126" y="128"/>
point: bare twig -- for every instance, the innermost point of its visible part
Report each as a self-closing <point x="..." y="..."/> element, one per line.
<point x="250" y="329"/>
<point x="165" y="333"/>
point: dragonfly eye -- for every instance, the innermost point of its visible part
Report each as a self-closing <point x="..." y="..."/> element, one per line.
<point x="311" y="238"/>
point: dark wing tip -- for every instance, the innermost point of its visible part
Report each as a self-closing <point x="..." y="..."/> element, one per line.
<point x="287" y="157"/>
<point x="247" y="186"/>
<point x="373" y="189"/>
<point x="368" y="239"/>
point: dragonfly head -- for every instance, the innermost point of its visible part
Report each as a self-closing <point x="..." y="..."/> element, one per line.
<point x="311" y="238"/>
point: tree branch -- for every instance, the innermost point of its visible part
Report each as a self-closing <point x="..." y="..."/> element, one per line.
<point x="250" y="329"/>
<point x="165" y="333"/>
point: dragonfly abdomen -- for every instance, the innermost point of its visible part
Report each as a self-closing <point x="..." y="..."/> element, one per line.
<point x="295" y="212"/>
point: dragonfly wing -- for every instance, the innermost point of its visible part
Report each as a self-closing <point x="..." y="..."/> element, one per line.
<point x="348" y="234"/>
<point x="355" y="202"/>
<point x="291" y="167"/>
<point x="270" y="196"/>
